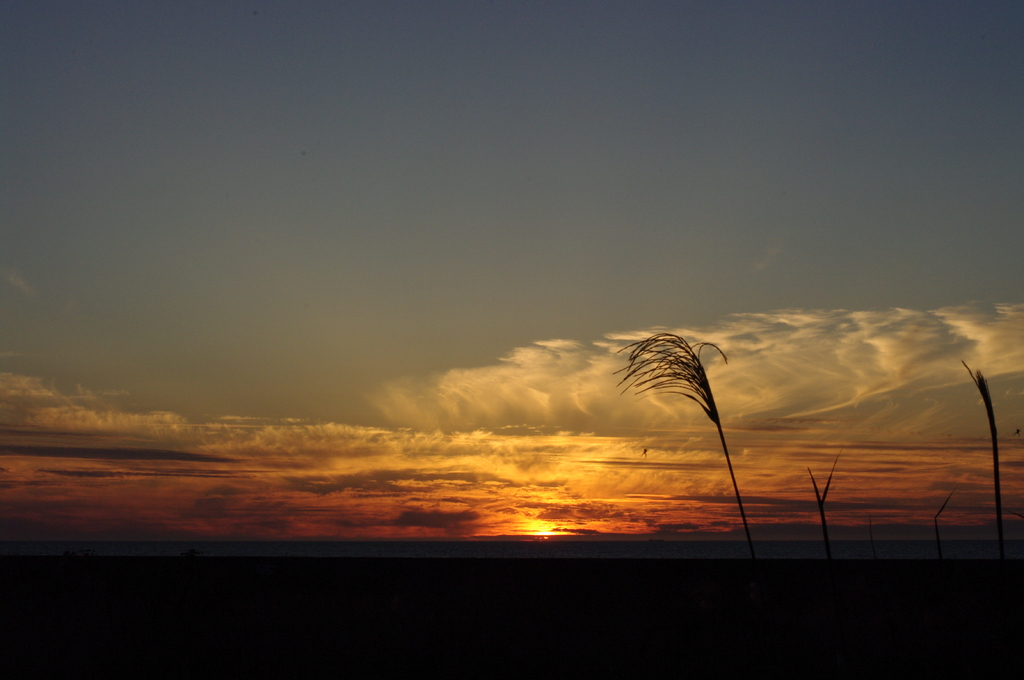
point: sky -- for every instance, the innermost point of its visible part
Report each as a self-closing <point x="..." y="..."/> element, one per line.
<point x="362" y="270"/>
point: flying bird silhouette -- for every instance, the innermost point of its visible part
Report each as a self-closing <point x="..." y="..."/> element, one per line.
<point x="644" y="454"/>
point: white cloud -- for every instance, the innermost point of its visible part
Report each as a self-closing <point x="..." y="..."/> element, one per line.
<point x="878" y="367"/>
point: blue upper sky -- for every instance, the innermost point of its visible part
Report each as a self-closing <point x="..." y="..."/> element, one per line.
<point x="267" y="209"/>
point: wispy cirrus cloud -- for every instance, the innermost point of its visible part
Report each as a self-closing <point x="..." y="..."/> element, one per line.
<point x="14" y="278"/>
<point x="891" y="367"/>
<point x="29" y="402"/>
<point x="543" y="440"/>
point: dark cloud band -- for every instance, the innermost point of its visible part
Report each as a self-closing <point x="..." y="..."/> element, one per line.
<point x="110" y="454"/>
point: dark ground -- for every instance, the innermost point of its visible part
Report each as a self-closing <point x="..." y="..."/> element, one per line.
<point x="246" y="617"/>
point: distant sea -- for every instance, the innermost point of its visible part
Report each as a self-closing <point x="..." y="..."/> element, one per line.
<point x="526" y="549"/>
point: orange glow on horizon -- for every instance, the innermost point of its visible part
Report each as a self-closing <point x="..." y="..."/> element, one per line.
<point x="77" y="465"/>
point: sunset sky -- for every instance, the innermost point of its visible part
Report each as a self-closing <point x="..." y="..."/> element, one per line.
<point x="327" y="270"/>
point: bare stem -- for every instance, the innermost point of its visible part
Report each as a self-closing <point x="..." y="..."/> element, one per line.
<point x="821" y="496"/>
<point x="938" y="541"/>
<point x="736" y="488"/>
<point x="995" y="474"/>
<point x="824" y="531"/>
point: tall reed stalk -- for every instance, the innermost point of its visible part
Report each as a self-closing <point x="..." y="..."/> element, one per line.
<point x="821" y="505"/>
<point x="938" y="541"/>
<point x="982" y="385"/>
<point x="840" y="631"/>
<point x="666" y="363"/>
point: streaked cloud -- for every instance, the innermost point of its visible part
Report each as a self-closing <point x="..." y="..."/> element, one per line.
<point x="97" y="453"/>
<point x="436" y="519"/>
<point x="543" y="441"/>
<point x="15" y="279"/>
<point x="794" y="368"/>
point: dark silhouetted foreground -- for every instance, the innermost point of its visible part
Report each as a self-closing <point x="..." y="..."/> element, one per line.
<point x="252" y="617"/>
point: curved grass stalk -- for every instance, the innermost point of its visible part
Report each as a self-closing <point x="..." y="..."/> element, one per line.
<point x="982" y="385"/>
<point x="666" y="363"/>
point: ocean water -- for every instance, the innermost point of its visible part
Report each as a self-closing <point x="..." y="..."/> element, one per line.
<point x="526" y="549"/>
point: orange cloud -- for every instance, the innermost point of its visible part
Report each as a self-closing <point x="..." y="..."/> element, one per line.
<point x="544" y="442"/>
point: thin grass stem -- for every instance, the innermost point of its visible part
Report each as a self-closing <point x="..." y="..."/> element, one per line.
<point x="821" y="505"/>
<point x="938" y="541"/>
<point x="986" y="396"/>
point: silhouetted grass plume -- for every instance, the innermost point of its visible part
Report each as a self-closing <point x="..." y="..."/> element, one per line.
<point x="821" y="504"/>
<point x="982" y="385"/>
<point x="667" y="363"/>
